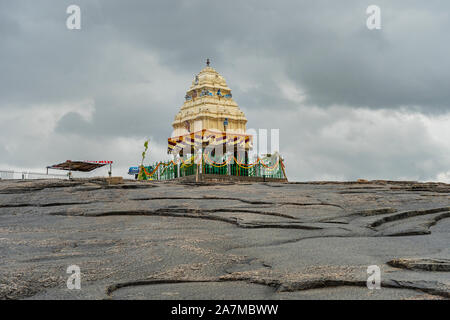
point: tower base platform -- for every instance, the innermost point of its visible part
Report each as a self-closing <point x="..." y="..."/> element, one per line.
<point x="205" y="177"/>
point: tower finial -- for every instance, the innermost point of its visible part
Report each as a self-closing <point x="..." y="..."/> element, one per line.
<point x="207" y="62"/>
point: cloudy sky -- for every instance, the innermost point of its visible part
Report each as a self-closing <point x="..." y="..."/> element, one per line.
<point x="349" y="102"/>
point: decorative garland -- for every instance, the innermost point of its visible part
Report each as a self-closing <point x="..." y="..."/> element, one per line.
<point x="184" y="162"/>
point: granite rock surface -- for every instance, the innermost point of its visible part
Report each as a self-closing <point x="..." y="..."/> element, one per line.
<point x="173" y="240"/>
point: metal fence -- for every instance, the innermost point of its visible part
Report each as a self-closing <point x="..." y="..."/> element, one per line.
<point x="169" y="170"/>
<point x="26" y="175"/>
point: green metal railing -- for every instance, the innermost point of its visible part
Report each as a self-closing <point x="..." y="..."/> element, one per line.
<point x="169" y="170"/>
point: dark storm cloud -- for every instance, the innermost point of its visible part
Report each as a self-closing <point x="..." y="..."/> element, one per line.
<point x="135" y="59"/>
<point x="324" y="45"/>
<point x="341" y="143"/>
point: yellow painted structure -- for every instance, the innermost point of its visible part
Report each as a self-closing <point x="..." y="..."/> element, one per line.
<point x="209" y="106"/>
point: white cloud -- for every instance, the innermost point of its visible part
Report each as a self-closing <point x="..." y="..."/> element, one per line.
<point x="443" y="177"/>
<point x="41" y="119"/>
<point x="345" y="143"/>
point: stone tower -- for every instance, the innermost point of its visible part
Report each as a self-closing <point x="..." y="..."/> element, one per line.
<point x="209" y="113"/>
<point x="209" y="105"/>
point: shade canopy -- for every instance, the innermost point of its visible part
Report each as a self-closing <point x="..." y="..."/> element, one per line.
<point x="82" y="166"/>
